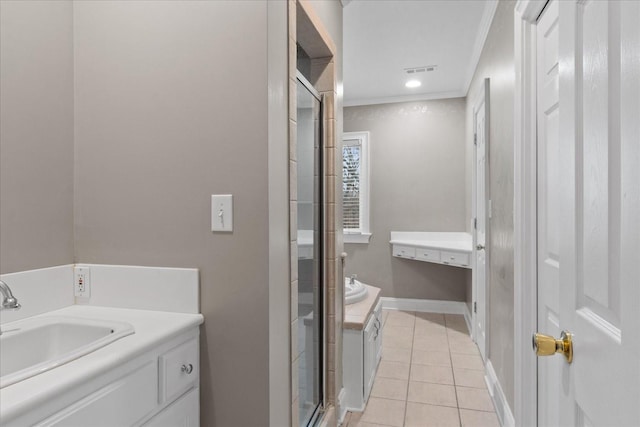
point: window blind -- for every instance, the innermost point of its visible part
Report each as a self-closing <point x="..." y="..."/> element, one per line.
<point x="351" y="156"/>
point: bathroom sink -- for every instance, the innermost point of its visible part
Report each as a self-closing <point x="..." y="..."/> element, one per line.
<point x="32" y="346"/>
<point x="354" y="292"/>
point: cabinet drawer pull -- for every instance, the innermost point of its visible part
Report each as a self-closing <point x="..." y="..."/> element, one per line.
<point x="187" y="369"/>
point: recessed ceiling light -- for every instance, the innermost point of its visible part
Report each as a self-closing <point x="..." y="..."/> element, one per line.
<point x="413" y="83"/>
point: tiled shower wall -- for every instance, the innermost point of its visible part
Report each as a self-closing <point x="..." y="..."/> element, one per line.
<point x="323" y="77"/>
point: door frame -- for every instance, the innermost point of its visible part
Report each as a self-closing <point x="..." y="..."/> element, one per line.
<point x="525" y="211"/>
<point x="479" y="98"/>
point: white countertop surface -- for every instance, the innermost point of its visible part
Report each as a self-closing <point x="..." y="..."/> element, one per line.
<point x="151" y="329"/>
<point x="453" y="241"/>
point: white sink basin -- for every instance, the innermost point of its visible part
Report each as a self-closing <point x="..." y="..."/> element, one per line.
<point x="35" y="345"/>
<point x="355" y="292"/>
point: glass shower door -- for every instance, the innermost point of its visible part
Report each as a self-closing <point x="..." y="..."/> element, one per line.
<point x="309" y="204"/>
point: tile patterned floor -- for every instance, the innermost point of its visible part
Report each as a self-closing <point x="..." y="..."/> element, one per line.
<point x="431" y="374"/>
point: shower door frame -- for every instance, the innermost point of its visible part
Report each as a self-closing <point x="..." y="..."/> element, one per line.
<point x="322" y="365"/>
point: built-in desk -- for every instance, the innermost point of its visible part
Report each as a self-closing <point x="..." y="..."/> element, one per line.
<point x="449" y="248"/>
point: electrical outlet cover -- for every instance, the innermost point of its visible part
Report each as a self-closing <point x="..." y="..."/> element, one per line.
<point x="82" y="282"/>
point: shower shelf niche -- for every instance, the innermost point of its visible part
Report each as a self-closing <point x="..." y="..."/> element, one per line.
<point x="449" y="248"/>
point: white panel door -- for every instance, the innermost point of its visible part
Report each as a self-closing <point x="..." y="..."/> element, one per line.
<point x="480" y="268"/>
<point x="548" y="208"/>
<point x="589" y="211"/>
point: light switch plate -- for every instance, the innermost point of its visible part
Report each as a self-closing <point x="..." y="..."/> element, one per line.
<point x="222" y="212"/>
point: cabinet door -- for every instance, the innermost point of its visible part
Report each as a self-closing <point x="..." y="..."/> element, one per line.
<point x="378" y="345"/>
<point x="370" y="336"/>
<point x="184" y="412"/>
<point x="179" y="370"/>
<point x="134" y="395"/>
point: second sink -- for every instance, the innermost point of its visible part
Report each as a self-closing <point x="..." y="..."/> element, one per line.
<point x="355" y="292"/>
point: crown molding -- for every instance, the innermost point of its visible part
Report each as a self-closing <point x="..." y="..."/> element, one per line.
<point x="529" y="10"/>
<point x="483" y="30"/>
<point x="404" y="98"/>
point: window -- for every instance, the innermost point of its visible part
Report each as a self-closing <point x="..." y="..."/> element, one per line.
<point x="355" y="187"/>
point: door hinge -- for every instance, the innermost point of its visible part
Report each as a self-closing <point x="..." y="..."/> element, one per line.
<point x="475" y="223"/>
<point x="475" y="139"/>
<point x="475" y="307"/>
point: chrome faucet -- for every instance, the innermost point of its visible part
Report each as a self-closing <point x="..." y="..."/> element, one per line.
<point x="352" y="280"/>
<point x="9" y="302"/>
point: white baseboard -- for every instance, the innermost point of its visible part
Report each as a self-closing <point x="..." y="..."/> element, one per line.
<point x="342" y="409"/>
<point x="423" y="305"/>
<point x="468" y="318"/>
<point x="429" y="306"/>
<point x="426" y="305"/>
<point x="499" y="399"/>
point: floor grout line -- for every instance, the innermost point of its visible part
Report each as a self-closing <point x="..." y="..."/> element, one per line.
<point x="449" y="331"/>
<point x="406" y="401"/>
<point x="455" y="389"/>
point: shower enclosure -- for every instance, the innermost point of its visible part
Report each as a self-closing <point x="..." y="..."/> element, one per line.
<point x="310" y="272"/>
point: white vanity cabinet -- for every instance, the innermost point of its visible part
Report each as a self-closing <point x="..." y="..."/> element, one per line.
<point x="135" y="395"/>
<point x="154" y="386"/>
<point x="160" y="387"/>
<point x="372" y="349"/>
<point x="361" y="356"/>
<point x="184" y="412"/>
<point x="149" y="375"/>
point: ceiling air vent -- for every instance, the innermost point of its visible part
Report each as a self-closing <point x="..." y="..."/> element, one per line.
<point x="415" y="70"/>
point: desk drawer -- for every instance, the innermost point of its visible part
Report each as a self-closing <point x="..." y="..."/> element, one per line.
<point x="431" y="255"/>
<point x="454" y="258"/>
<point x="404" y="251"/>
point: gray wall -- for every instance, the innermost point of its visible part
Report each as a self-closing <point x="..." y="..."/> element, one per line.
<point x="36" y="135"/>
<point x="497" y="63"/>
<point x="165" y="117"/>
<point x="417" y="173"/>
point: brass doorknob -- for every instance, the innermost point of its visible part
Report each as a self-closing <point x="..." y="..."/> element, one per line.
<point x="546" y="345"/>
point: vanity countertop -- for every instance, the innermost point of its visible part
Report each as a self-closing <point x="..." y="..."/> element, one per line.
<point x="151" y="329"/>
<point x="356" y="315"/>
<point x="453" y="241"/>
